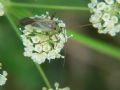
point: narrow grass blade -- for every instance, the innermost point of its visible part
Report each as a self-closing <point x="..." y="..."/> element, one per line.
<point x="96" y="45"/>
<point x="49" y="6"/>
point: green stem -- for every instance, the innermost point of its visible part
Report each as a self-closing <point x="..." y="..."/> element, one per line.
<point x="48" y="6"/>
<point x="13" y="24"/>
<point x="43" y="75"/>
<point x="96" y="45"/>
<point x="38" y="67"/>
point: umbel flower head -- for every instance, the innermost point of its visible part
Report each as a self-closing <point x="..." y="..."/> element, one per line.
<point x="1" y="9"/>
<point x="43" y="37"/>
<point x="3" y="78"/>
<point x="56" y="87"/>
<point x="105" y="16"/>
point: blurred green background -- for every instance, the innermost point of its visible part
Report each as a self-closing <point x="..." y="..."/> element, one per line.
<point x="84" y="67"/>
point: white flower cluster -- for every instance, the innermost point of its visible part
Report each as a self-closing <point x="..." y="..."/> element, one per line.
<point x="1" y="9"/>
<point x="3" y="78"/>
<point x="42" y="44"/>
<point x="105" y="16"/>
<point x="56" y="87"/>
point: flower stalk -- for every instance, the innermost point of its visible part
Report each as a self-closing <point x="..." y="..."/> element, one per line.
<point x="49" y="6"/>
<point x="38" y="67"/>
<point x="43" y="75"/>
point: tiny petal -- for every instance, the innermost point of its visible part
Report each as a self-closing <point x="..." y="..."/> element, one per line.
<point x="3" y="77"/>
<point x="27" y="54"/>
<point x="56" y="87"/>
<point x="46" y="47"/>
<point x="106" y="16"/>
<point x="61" y="24"/>
<point x="35" y="39"/>
<point x="54" y="38"/>
<point x="27" y="42"/>
<point x="101" y="6"/>
<point x="5" y="73"/>
<point x="38" y="48"/>
<point x="114" y="19"/>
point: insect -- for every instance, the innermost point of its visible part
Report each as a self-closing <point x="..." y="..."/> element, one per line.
<point x="43" y="23"/>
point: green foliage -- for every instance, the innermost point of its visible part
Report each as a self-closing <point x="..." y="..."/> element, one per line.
<point x="22" y="73"/>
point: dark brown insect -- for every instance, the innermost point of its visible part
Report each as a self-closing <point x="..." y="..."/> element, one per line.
<point x="43" y="24"/>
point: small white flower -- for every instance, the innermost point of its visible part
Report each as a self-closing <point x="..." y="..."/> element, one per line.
<point x="59" y="45"/>
<point x="97" y="25"/>
<point x="55" y="19"/>
<point x="111" y="32"/>
<point x="5" y="73"/>
<point x="29" y="28"/>
<point x="94" y="1"/>
<point x="96" y="17"/>
<point x="117" y="28"/>
<point x="46" y="47"/>
<point x="108" y="8"/>
<point x="108" y="24"/>
<point x="26" y="32"/>
<point x="105" y="17"/>
<point x="39" y="58"/>
<point x="1" y="9"/>
<point x="101" y="6"/>
<point x="62" y="38"/>
<point x="38" y="48"/>
<point x="35" y="56"/>
<point x="61" y="24"/>
<point x="114" y="19"/>
<point x="56" y="87"/>
<point x="29" y="48"/>
<point x="35" y="39"/>
<point x="27" y="42"/>
<point x="27" y="53"/>
<point x="23" y="37"/>
<point x="43" y="38"/>
<point x="92" y="4"/>
<point x="51" y="55"/>
<point x="2" y="79"/>
<point x="3" y="76"/>
<point x="54" y="38"/>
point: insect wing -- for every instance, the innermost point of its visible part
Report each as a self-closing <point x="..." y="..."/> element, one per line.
<point x="26" y="21"/>
<point x="44" y="25"/>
